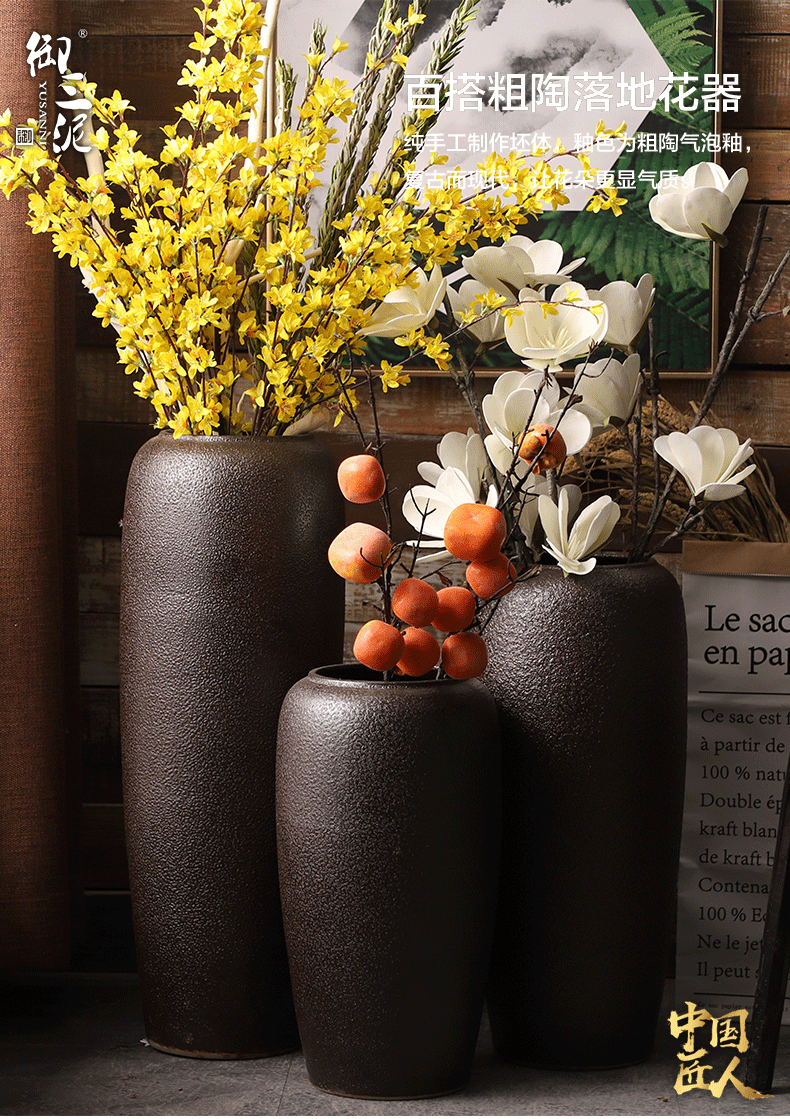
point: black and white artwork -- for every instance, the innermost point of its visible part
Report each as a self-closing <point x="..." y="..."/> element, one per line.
<point x="537" y="72"/>
<point x="531" y="72"/>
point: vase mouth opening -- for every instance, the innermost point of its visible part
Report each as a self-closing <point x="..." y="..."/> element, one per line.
<point x="237" y="437"/>
<point x="605" y="559"/>
<point x="618" y="559"/>
<point x="354" y="674"/>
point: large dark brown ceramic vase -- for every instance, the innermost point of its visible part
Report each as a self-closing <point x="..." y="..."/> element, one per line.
<point x="388" y="806"/>
<point x="589" y="675"/>
<point x="227" y="600"/>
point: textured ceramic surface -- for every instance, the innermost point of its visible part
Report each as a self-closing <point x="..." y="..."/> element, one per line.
<point x="227" y="599"/>
<point x="589" y="674"/>
<point x="388" y="805"/>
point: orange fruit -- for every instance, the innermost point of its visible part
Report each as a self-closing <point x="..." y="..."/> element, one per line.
<point x="494" y="577"/>
<point x="474" y="532"/>
<point x="464" y="655"/>
<point x="414" y="601"/>
<point x="420" y="653"/>
<point x="378" y="646"/>
<point x="359" y="552"/>
<point x="534" y="440"/>
<point x="456" y="609"/>
<point x="361" y="479"/>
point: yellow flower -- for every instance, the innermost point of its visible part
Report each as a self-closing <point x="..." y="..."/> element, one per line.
<point x="607" y="198"/>
<point x="618" y="133"/>
<point x="392" y="376"/>
<point x="216" y="275"/>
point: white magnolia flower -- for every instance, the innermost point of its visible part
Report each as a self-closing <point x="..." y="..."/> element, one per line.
<point x="710" y="460"/>
<point x="628" y="307"/>
<point x="544" y="339"/>
<point x="520" y="400"/>
<point x="519" y="263"/>
<point x="465" y="453"/>
<point x="406" y="307"/>
<point x="488" y="329"/>
<point x="458" y="478"/>
<point x="608" y="389"/>
<point x="427" y="508"/>
<point x="574" y="547"/>
<point x="704" y="197"/>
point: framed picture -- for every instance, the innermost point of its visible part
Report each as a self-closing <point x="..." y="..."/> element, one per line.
<point x="550" y="70"/>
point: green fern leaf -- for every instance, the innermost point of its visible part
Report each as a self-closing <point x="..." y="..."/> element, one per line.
<point x="676" y="38"/>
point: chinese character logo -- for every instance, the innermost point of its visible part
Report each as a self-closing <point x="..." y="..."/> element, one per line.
<point x="68" y="132"/>
<point x="726" y="1032"/>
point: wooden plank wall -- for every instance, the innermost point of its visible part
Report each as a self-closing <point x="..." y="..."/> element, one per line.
<point x="138" y="47"/>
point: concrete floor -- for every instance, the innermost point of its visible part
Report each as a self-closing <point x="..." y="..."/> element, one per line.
<point x="71" y="1044"/>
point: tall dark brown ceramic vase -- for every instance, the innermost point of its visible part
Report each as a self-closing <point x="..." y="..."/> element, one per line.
<point x="388" y="807"/>
<point x="589" y="675"/>
<point x="227" y="600"/>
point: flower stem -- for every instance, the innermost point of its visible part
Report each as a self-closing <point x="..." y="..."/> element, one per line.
<point x="734" y="337"/>
<point x="732" y="340"/>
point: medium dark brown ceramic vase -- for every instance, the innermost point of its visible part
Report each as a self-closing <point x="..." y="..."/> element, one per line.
<point x="589" y="675"/>
<point x="388" y="806"/>
<point x="227" y="599"/>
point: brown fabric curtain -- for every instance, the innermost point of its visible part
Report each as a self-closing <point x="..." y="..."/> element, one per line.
<point x="37" y="550"/>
